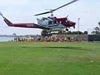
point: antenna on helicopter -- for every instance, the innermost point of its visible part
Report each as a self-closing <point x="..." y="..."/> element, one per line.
<point x="52" y="10"/>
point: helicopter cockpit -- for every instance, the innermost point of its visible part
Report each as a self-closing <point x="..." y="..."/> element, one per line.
<point x="46" y="21"/>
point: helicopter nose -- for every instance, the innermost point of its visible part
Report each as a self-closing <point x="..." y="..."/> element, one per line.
<point x="73" y="24"/>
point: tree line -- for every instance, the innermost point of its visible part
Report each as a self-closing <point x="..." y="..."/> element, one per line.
<point x="96" y="29"/>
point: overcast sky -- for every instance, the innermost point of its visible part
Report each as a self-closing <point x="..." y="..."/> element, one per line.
<point x="24" y="10"/>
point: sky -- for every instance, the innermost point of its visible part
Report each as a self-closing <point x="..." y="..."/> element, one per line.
<point x="18" y="11"/>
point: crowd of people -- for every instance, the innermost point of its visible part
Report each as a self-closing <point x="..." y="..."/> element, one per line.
<point x="42" y="39"/>
<point x="54" y="38"/>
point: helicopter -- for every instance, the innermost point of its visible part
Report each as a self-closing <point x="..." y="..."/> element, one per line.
<point x="49" y="23"/>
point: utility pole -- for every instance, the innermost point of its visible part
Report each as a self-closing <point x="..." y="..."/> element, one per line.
<point x="78" y="25"/>
<point x="78" y="37"/>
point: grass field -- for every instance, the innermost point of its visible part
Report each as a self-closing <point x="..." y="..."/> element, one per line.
<point x="41" y="58"/>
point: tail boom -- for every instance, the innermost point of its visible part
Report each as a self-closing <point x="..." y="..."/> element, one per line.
<point x="24" y="25"/>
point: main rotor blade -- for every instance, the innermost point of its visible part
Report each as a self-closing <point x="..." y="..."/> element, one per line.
<point x="56" y="8"/>
<point x="43" y="13"/>
<point x="65" y="5"/>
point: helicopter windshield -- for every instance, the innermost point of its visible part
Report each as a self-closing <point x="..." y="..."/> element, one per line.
<point x="45" y="21"/>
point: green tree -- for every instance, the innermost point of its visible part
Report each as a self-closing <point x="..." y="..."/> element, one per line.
<point x="85" y="32"/>
<point x="97" y="29"/>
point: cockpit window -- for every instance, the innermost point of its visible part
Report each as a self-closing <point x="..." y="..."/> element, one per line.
<point x="50" y="22"/>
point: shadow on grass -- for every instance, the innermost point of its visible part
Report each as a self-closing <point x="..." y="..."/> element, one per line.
<point x="53" y="47"/>
<point x="72" y="48"/>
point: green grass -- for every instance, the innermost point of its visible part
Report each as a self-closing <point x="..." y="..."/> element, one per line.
<point x="42" y="58"/>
